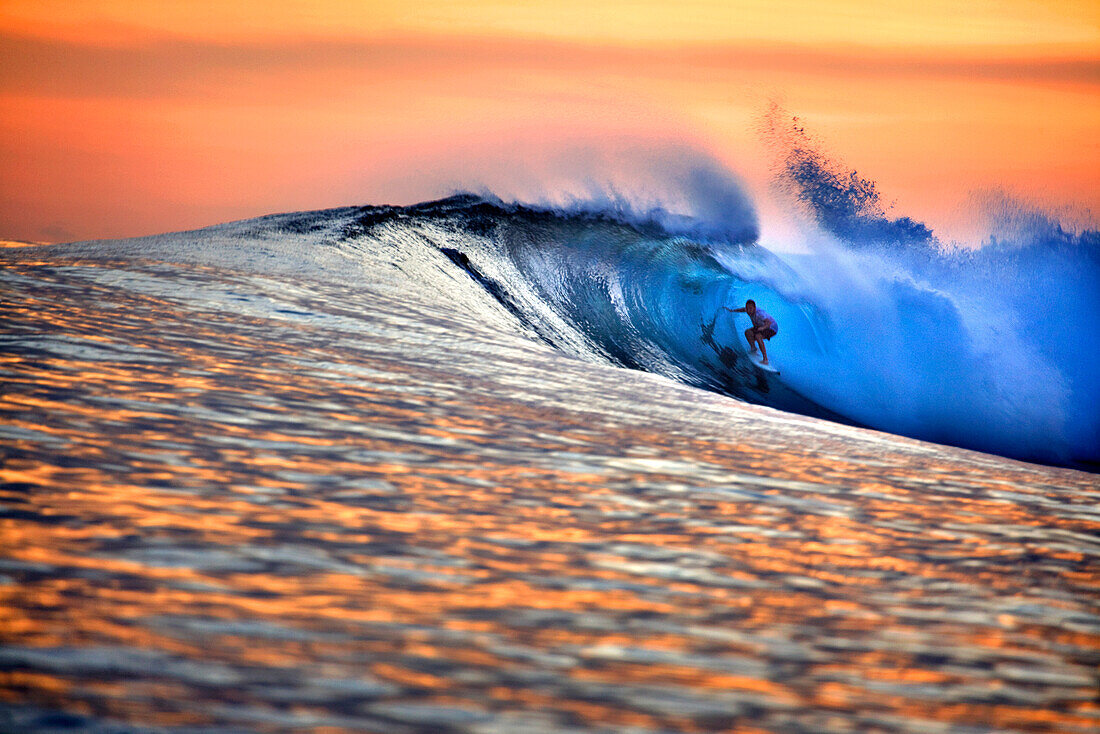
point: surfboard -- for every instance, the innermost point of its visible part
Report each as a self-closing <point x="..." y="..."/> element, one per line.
<point x="766" y="367"/>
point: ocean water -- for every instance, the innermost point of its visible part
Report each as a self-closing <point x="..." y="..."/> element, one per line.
<point x="476" y="467"/>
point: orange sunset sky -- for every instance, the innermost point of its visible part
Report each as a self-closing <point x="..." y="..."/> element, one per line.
<point x="129" y="117"/>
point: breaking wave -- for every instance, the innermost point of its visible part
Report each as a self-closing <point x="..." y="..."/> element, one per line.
<point x="881" y="324"/>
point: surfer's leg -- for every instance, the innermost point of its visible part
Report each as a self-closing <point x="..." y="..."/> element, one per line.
<point x="763" y="349"/>
<point x="750" y="336"/>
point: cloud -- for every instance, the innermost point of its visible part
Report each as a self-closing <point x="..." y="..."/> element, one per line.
<point x="173" y="67"/>
<point x="57" y="232"/>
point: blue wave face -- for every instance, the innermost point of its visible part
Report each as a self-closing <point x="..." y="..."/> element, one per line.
<point x="992" y="350"/>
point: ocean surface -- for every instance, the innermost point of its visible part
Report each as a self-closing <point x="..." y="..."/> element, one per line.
<point x="470" y="466"/>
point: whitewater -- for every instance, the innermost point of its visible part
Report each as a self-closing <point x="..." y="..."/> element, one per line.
<point x="481" y="465"/>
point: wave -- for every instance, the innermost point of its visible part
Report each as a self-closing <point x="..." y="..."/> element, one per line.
<point x="991" y="350"/>
<point x="881" y="325"/>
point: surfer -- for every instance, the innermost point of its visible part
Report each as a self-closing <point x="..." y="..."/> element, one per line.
<point x="764" y="327"/>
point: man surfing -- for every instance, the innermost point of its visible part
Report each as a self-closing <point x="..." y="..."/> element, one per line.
<point x="764" y="327"/>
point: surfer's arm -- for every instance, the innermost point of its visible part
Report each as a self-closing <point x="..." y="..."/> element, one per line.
<point x="735" y="310"/>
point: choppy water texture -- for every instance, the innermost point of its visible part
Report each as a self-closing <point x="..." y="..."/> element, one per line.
<point x="249" y="491"/>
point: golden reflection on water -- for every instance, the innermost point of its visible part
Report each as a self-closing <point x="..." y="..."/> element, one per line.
<point x="201" y="528"/>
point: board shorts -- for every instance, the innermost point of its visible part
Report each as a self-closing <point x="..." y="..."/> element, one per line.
<point x="766" y="332"/>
